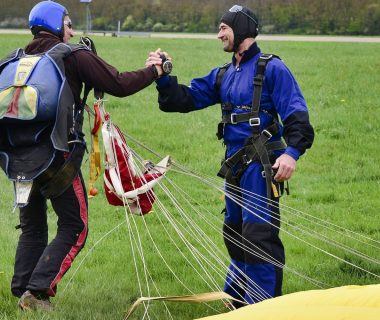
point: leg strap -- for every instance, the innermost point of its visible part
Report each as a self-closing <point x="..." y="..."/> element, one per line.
<point x="257" y="150"/>
<point x="63" y="178"/>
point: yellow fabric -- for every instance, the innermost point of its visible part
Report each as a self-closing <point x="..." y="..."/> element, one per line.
<point x="31" y="100"/>
<point x="342" y="303"/>
<point x="94" y="163"/>
<point x="25" y="106"/>
<point x="201" y="297"/>
<point x="24" y="68"/>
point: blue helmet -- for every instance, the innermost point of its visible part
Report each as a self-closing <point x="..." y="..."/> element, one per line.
<point x="47" y="16"/>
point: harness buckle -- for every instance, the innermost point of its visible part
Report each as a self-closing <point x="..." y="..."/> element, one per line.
<point x="233" y="119"/>
<point x="267" y="134"/>
<point x="266" y="56"/>
<point x="264" y="175"/>
<point x="258" y="81"/>
<point x="253" y="122"/>
<point x="246" y="159"/>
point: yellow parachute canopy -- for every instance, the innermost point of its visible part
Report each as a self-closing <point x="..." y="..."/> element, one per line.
<point x="348" y="303"/>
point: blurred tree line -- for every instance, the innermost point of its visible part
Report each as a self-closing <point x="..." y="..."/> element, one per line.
<point x="332" y="17"/>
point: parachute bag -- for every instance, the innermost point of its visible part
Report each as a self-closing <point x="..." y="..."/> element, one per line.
<point x="29" y="90"/>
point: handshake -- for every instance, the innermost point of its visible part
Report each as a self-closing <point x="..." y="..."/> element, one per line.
<point x="161" y="61"/>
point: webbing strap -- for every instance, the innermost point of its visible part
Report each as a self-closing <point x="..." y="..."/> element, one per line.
<point x="234" y="118"/>
<point x="95" y="166"/>
<point x="202" y="297"/>
<point x="258" y="81"/>
<point x="62" y="179"/>
<point x="219" y="76"/>
<point x="245" y="156"/>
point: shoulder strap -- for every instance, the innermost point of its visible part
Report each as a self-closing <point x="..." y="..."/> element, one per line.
<point x="88" y="44"/>
<point x="258" y="81"/>
<point x="219" y="76"/>
<point x="12" y="56"/>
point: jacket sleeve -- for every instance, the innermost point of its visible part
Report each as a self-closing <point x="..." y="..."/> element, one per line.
<point x="175" y="97"/>
<point x="291" y="106"/>
<point x="97" y="73"/>
<point x="298" y="132"/>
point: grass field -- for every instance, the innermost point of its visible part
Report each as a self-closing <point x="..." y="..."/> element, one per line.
<point x="336" y="181"/>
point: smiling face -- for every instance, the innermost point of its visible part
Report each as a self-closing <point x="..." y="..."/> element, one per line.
<point x="226" y="35"/>
<point x="68" y="31"/>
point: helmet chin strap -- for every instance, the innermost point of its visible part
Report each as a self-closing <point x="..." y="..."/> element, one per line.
<point x="237" y="43"/>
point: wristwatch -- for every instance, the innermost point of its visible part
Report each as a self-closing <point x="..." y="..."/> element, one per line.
<point x="167" y="65"/>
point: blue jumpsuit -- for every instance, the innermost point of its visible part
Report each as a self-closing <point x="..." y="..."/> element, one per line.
<point x="255" y="272"/>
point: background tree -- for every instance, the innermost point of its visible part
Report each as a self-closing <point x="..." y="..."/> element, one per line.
<point x="340" y="17"/>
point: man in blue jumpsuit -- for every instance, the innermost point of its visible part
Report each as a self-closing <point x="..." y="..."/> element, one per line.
<point x="251" y="226"/>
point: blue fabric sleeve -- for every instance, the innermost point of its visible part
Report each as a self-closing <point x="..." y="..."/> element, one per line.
<point x="293" y="152"/>
<point x="163" y="81"/>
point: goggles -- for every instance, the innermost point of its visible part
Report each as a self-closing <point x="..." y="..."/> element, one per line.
<point x="68" y="24"/>
<point x="236" y="8"/>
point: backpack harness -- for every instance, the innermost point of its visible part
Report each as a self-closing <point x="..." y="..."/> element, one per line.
<point x="257" y="147"/>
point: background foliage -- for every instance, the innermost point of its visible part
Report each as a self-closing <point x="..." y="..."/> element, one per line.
<point x="339" y="17"/>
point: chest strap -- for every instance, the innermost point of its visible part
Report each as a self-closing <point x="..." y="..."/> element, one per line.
<point x="235" y="118"/>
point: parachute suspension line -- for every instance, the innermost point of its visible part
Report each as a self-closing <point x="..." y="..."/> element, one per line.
<point x="211" y="251"/>
<point x="157" y="250"/>
<point x="303" y="229"/>
<point x="202" y="241"/>
<point x="248" y="208"/>
<point x="323" y="223"/>
<point x="195" y="175"/>
<point x="311" y="280"/>
<point x="135" y="240"/>
<point x="244" y="247"/>
<point x="351" y="234"/>
<point x="104" y="236"/>
<point x="220" y="189"/>
<point x="146" y="270"/>
<point x="239" y="202"/>
<point x="126" y="205"/>
<point x="133" y="244"/>
<point x="196" y="253"/>
<point x="311" y="232"/>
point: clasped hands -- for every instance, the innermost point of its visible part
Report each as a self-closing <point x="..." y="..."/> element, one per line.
<point x="154" y="58"/>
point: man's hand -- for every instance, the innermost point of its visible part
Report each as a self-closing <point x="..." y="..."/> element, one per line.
<point x="285" y="166"/>
<point x="154" y="58"/>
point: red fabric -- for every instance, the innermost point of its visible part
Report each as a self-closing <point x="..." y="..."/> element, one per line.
<point x="13" y="106"/>
<point x="130" y="182"/>
<point x="66" y="263"/>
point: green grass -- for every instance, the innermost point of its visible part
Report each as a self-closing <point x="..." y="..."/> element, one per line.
<point x="337" y="180"/>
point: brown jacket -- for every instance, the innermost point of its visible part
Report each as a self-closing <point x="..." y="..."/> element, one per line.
<point x="83" y="66"/>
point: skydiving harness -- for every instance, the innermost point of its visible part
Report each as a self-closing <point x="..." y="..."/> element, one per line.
<point x="257" y="147"/>
<point x="53" y="177"/>
<point x="70" y="168"/>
